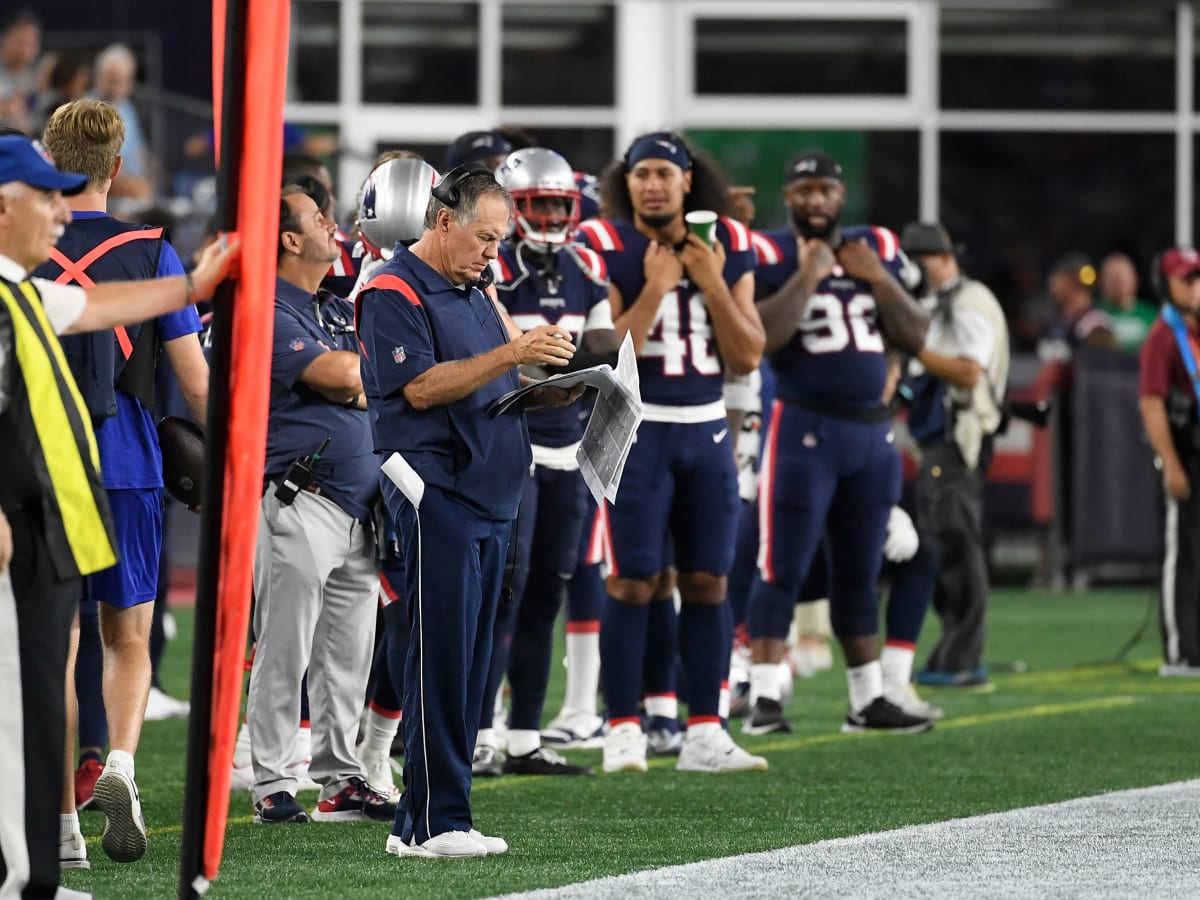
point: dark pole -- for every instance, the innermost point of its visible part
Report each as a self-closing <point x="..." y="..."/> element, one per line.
<point x="195" y="802"/>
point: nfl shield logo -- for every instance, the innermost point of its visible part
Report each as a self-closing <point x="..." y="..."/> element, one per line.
<point x="296" y="344"/>
<point x="398" y="355"/>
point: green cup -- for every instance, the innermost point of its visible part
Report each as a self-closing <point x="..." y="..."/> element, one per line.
<point x="703" y="224"/>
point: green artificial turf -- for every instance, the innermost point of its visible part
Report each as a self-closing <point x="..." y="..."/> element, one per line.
<point x="1073" y="723"/>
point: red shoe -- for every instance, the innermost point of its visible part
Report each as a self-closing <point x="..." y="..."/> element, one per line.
<point x="85" y="782"/>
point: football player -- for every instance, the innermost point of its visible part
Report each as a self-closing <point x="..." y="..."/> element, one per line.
<point x="829" y="465"/>
<point x="542" y="277"/>
<point x="688" y="305"/>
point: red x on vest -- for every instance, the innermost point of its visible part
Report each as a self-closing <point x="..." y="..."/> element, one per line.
<point x="77" y="271"/>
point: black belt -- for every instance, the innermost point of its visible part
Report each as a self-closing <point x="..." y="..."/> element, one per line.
<point x="868" y="415"/>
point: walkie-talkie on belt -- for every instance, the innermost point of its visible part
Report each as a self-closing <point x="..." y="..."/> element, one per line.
<point x="298" y="476"/>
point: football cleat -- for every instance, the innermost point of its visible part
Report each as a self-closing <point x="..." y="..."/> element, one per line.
<point x="625" y="749"/>
<point x="278" y="809"/>
<point x="766" y="717"/>
<point x="883" y="715"/>
<point x="711" y="749"/>
<point x="542" y="761"/>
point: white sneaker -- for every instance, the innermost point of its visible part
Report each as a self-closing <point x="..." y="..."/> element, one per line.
<point x="378" y="770"/>
<point x="711" y="749"/>
<point x="124" y="828"/>
<point x="495" y="845"/>
<point x="72" y="851"/>
<point x="625" y="749"/>
<point x="1179" y="670"/>
<point x="571" y="730"/>
<point x="447" y="845"/>
<point x="160" y="705"/>
<point x="906" y="697"/>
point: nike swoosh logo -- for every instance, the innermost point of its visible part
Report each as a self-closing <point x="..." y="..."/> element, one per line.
<point x="720" y="435"/>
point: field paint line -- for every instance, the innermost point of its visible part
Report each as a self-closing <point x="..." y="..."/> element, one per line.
<point x="1135" y="843"/>
<point x="1031" y="712"/>
<point x="1027" y="712"/>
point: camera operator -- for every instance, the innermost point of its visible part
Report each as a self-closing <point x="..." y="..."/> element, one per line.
<point x="1168" y="392"/>
<point x="958" y="382"/>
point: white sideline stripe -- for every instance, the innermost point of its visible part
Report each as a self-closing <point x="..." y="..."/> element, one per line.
<point x="1137" y="843"/>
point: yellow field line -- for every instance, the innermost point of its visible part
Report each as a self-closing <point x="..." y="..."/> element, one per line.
<point x="1031" y="712"/>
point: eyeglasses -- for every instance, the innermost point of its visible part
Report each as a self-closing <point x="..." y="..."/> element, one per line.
<point x="331" y="320"/>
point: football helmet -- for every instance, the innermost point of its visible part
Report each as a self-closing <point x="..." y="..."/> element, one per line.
<point x="392" y="204"/>
<point x="545" y="196"/>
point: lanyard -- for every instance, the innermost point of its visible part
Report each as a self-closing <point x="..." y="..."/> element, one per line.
<point x="1187" y="347"/>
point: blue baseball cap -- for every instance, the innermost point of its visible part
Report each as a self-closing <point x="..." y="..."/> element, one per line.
<point x="476" y="146"/>
<point x="26" y="160"/>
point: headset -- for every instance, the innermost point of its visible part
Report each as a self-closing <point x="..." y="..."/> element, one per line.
<point x="447" y="189"/>
<point x="1158" y="284"/>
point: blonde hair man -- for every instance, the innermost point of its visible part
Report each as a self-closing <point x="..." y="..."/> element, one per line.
<point x="115" y="373"/>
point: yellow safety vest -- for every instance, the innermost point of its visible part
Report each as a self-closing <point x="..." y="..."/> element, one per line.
<point x="51" y="432"/>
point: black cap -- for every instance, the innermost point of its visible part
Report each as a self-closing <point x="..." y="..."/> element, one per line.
<point x="1078" y="266"/>
<point x="925" y="239"/>
<point x="476" y="146"/>
<point x="813" y="164"/>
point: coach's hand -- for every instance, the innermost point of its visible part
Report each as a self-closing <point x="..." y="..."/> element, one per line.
<point x="549" y="395"/>
<point x="705" y="265"/>
<point x="6" y="547"/>
<point x="1176" y="482"/>
<point x="545" y="345"/>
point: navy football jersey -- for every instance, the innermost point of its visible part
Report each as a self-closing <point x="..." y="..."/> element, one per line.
<point x="573" y="296"/>
<point x="679" y="364"/>
<point x="837" y="355"/>
<point x="342" y="275"/>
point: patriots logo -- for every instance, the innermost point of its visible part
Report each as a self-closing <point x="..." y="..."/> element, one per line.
<point x="398" y="355"/>
<point x="805" y="165"/>
<point x="368" y="201"/>
<point x="296" y="344"/>
<point x="667" y="145"/>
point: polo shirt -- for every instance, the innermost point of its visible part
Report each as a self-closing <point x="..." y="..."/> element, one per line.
<point x="301" y="418"/>
<point x="410" y="318"/>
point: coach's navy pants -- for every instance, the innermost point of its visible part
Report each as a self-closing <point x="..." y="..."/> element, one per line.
<point x="454" y="567"/>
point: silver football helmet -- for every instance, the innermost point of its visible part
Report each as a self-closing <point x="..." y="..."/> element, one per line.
<point x="546" y="198"/>
<point x="392" y="204"/>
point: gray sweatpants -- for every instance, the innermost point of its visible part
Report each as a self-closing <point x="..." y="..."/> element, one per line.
<point x="316" y="586"/>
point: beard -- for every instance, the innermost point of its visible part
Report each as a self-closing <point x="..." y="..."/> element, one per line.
<point x="658" y="220"/>
<point x="805" y="228"/>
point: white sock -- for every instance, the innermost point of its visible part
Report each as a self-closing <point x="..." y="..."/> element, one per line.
<point x="700" y="729"/>
<point x="486" y="738"/>
<point x="241" y="749"/>
<point x="665" y="705"/>
<point x="583" y="670"/>
<point x="866" y="683"/>
<point x="522" y="742"/>
<point x="723" y="701"/>
<point x="764" y="682"/>
<point x="897" y="663"/>
<point x="379" y="732"/>
<point x="121" y="760"/>
<point x="304" y="744"/>
<point x="68" y="823"/>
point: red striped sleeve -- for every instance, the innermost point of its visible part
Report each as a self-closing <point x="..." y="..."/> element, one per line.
<point x="739" y="234"/>
<point x="766" y="251"/>
<point x="387" y="282"/>
<point x="595" y="263"/>
<point x="888" y="245"/>
<point x="601" y="235"/>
